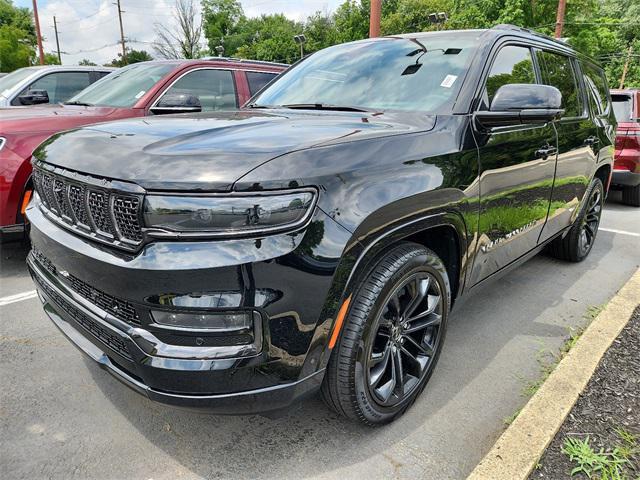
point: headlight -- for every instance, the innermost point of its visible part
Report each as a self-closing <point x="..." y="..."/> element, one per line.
<point x="229" y="214"/>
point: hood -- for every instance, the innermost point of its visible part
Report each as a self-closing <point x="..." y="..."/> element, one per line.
<point x="211" y="151"/>
<point x="50" y="117"/>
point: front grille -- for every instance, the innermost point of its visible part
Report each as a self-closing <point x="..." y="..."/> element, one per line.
<point x="104" y="335"/>
<point x="121" y="309"/>
<point x="106" y="215"/>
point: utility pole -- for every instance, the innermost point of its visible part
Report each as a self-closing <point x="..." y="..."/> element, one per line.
<point x="626" y="67"/>
<point x="374" y="19"/>
<point x="562" y="4"/>
<point x="38" y="34"/>
<point x="124" y="51"/>
<point x="55" y="27"/>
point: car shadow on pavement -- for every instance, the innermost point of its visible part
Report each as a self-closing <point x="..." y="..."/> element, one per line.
<point x="311" y="440"/>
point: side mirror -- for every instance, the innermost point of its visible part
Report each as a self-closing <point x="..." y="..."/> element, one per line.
<point x="177" y="103"/>
<point x="34" y="97"/>
<point x="522" y="104"/>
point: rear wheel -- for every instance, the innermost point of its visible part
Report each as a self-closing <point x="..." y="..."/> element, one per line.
<point x="391" y="338"/>
<point x="577" y="244"/>
<point x="631" y="196"/>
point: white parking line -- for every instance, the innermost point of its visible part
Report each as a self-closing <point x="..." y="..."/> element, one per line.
<point x="621" y="232"/>
<point x="18" y="297"/>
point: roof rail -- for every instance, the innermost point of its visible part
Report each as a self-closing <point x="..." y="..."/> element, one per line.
<point x="243" y="60"/>
<point x="507" y="26"/>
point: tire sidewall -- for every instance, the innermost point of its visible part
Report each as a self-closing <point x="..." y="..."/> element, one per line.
<point x="370" y="409"/>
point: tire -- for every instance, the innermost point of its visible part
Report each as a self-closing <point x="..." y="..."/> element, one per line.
<point x="353" y="385"/>
<point x="631" y="196"/>
<point x="572" y="247"/>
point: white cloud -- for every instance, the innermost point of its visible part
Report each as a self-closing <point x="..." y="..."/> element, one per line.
<point x="91" y="30"/>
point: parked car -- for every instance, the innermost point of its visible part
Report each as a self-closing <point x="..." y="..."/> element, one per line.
<point x="626" y="167"/>
<point x="318" y="238"/>
<point x="47" y="84"/>
<point x="141" y="89"/>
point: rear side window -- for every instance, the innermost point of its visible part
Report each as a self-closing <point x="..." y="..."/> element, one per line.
<point x="557" y="71"/>
<point x="257" y="80"/>
<point x="622" y="107"/>
<point x="597" y="88"/>
<point x="512" y="65"/>
<point x="214" y="88"/>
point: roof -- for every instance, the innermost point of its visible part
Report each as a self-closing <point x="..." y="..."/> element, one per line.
<point x="231" y="60"/>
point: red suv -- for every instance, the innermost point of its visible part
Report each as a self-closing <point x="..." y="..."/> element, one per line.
<point x="626" y="168"/>
<point x="147" y="88"/>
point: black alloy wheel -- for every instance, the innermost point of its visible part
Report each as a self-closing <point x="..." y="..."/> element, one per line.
<point x="578" y="242"/>
<point x="407" y="337"/>
<point x="391" y="337"/>
<point x="590" y="222"/>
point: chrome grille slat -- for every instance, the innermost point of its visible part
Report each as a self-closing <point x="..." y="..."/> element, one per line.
<point x="104" y="214"/>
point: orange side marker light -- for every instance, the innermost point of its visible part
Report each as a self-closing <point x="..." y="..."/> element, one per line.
<point x="25" y="201"/>
<point x="339" y="321"/>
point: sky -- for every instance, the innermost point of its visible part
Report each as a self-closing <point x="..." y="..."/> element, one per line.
<point x="89" y="28"/>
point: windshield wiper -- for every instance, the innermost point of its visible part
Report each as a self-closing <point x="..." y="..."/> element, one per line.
<point x="324" y="106"/>
<point x="82" y="104"/>
<point x="256" y="105"/>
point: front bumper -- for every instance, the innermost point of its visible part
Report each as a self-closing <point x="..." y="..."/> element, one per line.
<point x="271" y="276"/>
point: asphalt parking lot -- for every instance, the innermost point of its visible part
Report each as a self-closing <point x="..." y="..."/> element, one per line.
<point x="61" y="417"/>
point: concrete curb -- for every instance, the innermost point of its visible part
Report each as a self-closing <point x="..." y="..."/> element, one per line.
<point x="519" y="448"/>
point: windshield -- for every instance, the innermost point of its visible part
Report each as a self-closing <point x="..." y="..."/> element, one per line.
<point x="622" y="107"/>
<point x="422" y="74"/>
<point x="13" y="78"/>
<point x="124" y="87"/>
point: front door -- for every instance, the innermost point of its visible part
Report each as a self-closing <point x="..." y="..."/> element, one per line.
<point x="517" y="165"/>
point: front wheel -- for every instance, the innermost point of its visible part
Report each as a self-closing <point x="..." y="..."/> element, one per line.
<point x="391" y="338"/>
<point x="578" y="242"/>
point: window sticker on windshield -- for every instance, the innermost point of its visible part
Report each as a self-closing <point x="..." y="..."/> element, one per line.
<point x="140" y="93"/>
<point x="448" y="81"/>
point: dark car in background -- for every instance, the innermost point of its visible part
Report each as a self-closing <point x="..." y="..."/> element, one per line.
<point x="47" y="84"/>
<point x="626" y="168"/>
<point x="141" y="89"/>
<point x="318" y="238"/>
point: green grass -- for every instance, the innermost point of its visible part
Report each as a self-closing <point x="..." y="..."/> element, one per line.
<point x="610" y="464"/>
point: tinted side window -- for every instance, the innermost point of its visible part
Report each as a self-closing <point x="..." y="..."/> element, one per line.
<point x="70" y="83"/>
<point x="60" y="86"/>
<point x="597" y="88"/>
<point x="257" y="80"/>
<point x="214" y="88"/>
<point x="511" y="65"/>
<point x="558" y="72"/>
<point x="622" y="107"/>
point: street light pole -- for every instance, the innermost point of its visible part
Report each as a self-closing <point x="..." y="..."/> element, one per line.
<point x="38" y="34"/>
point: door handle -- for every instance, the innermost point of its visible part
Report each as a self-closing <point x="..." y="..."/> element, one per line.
<point x="592" y="140"/>
<point x="546" y="152"/>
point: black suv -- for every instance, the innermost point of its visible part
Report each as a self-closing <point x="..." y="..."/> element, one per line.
<point x="318" y="237"/>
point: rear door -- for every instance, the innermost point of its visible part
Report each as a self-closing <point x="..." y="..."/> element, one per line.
<point x="578" y="140"/>
<point x="517" y="165"/>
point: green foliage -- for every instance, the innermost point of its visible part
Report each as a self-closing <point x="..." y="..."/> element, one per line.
<point x="133" y="56"/>
<point x="607" y="465"/>
<point x="51" y="59"/>
<point x="86" y="63"/>
<point x="602" y="29"/>
<point x="17" y="37"/>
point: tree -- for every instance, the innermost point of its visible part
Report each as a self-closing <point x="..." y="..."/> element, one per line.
<point x="271" y="38"/>
<point x="51" y="59"/>
<point x="17" y="37"/>
<point x="133" y="56"/>
<point x="86" y="63"/>
<point x="184" y="41"/>
<point x="220" y="22"/>
<point x="352" y="20"/>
